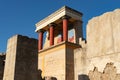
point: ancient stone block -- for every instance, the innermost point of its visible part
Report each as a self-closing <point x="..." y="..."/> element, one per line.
<point x="109" y="73"/>
<point x="21" y="59"/>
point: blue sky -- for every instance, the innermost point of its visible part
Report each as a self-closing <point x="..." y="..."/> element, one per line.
<point x="20" y="16"/>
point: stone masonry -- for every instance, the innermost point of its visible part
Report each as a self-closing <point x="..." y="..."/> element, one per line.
<point x="21" y="59"/>
<point x="100" y="58"/>
<point x="103" y="45"/>
<point x="109" y="73"/>
<point x="103" y="41"/>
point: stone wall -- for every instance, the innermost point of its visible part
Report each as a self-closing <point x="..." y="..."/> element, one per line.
<point x="80" y="61"/>
<point x="52" y="62"/>
<point x="109" y="73"/>
<point x="103" y="34"/>
<point x="10" y="58"/>
<point x="2" y="59"/>
<point x="58" y="61"/>
<point x="103" y="41"/>
<point x="21" y="59"/>
<point x="102" y="47"/>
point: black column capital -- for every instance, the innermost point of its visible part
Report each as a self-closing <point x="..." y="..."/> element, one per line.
<point x="65" y="17"/>
<point x="52" y="25"/>
<point x="41" y="30"/>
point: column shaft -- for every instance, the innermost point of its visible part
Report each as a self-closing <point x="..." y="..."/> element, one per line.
<point x="40" y="40"/>
<point x="51" y="35"/>
<point x="65" y="29"/>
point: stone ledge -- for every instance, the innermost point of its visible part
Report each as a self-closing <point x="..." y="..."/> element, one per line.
<point x="73" y="45"/>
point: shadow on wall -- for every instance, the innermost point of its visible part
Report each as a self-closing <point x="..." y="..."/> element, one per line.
<point x="45" y="78"/>
<point x="50" y="78"/>
<point x="39" y="75"/>
<point x="83" y="77"/>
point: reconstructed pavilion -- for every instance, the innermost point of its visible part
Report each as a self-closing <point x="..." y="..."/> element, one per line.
<point x="59" y="35"/>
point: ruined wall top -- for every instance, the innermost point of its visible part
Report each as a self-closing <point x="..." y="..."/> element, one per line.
<point x="23" y="38"/>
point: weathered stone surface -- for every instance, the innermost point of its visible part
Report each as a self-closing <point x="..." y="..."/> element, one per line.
<point x="80" y="63"/>
<point x="95" y="75"/>
<point x="103" y="44"/>
<point x="52" y="62"/>
<point x="58" y="61"/>
<point x="109" y="73"/>
<point x="103" y="34"/>
<point x="55" y="64"/>
<point x="10" y="59"/>
<point x="21" y="59"/>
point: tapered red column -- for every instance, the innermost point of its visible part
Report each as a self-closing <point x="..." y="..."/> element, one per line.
<point x="51" y="26"/>
<point x="65" y="28"/>
<point x="40" y="40"/>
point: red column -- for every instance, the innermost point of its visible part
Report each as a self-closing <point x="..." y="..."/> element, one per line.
<point x="40" y="40"/>
<point x="51" y="34"/>
<point x="65" y="29"/>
